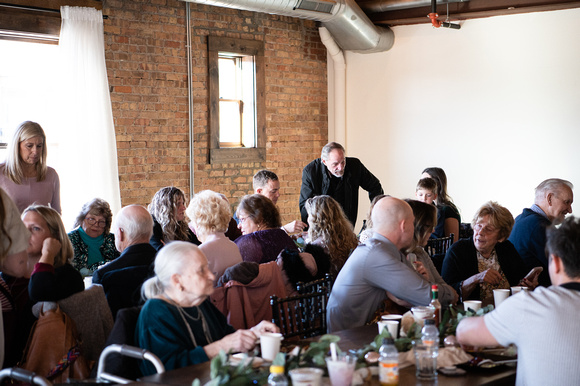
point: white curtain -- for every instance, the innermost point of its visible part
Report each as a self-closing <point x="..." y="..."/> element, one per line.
<point x="87" y="148"/>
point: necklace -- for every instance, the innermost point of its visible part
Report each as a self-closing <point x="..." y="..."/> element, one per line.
<point x="184" y="316"/>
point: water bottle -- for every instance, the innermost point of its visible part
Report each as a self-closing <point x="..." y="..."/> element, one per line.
<point x="277" y="377"/>
<point x="430" y="334"/>
<point x="426" y="355"/>
<point x="388" y="363"/>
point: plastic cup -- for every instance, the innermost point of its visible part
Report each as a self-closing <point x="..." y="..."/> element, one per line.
<point x="341" y="370"/>
<point x="425" y="360"/>
<point x="499" y="295"/>
<point x="270" y="345"/>
<point x="306" y="376"/>
<point x="475" y="305"/>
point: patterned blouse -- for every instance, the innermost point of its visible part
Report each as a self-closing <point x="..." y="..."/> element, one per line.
<point x="80" y="261"/>
<point x="484" y="264"/>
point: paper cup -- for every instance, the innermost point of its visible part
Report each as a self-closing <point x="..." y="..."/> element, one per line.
<point x="473" y="304"/>
<point x="499" y="295"/>
<point x="270" y="345"/>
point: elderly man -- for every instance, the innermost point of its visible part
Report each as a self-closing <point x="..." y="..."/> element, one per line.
<point x="340" y="177"/>
<point x="266" y="183"/>
<point x="377" y="267"/>
<point x="133" y="227"/>
<point x="552" y="202"/>
<point x="543" y="324"/>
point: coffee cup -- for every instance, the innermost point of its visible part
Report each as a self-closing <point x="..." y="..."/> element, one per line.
<point x="270" y="345"/>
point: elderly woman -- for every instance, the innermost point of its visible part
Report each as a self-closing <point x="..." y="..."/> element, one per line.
<point x="169" y="222"/>
<point x="476" y="266"/>
<point x="53" y="277"/>
<point x="179" y="323"/>
<point x="425" y="219"/>
<point x="329" y="228"/>
<point x="210" y="216"/>
<point x="24" y="175"/>
<point x="92" y="241"/>
<point x="448" y="218"/>
<point x="262" y="237"/>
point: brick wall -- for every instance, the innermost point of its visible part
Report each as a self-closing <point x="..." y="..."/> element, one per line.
<point x="145" y="44"/>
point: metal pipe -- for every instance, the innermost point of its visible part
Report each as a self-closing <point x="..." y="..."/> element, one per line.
<point x="190" y="101"/>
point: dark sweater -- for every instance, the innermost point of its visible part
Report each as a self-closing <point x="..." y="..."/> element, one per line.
<point x="529" y="238"/>
<point x="316" y="181"/>
<point x="461" y="263"/>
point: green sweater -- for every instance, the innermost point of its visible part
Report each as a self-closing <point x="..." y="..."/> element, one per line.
<point x="161" y="330"/>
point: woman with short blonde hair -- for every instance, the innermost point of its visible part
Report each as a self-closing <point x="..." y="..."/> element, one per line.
<point x="25" y="176"/>
<point x="210" y="216"/>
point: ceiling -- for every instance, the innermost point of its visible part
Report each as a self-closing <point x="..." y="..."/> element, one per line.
<point x="388" y="12"/>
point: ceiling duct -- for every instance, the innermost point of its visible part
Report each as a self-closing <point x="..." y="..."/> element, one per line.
<point x="348" y="24"/>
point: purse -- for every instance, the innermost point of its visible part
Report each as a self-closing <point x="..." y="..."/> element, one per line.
<point x="54" y="350"/>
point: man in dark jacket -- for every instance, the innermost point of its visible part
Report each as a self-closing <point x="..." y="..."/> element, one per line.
<point x="338" y="176"/>
<point x="133" y="227"/>
<point x="552" y="203"/>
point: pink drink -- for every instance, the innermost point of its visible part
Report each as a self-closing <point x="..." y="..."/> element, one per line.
<point x="341" y="370"/>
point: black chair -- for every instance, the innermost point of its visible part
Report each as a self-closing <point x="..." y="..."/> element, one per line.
<point x="301" y="316"/>
<point x="316" y="285"/>
<point x="437" y="248"/>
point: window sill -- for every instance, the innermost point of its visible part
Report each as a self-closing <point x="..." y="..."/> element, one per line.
<point x="234" y="155"/>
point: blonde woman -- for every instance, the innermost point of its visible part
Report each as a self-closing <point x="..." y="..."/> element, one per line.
<point x="210" y="216"/>
<point x="25" y="176"/>
<point x="53" y="277"/>
<point x="329" y="227"/>
<point x="169" y="222"/>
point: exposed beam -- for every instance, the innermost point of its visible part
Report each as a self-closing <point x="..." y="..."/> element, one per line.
<point x="471" y="10"/>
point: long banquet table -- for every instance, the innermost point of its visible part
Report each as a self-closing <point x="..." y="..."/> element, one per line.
<point x="353" y="339"/>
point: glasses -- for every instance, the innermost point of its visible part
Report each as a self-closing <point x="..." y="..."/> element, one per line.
<point x="93" y="221"/>
<point x="243" y="219"/>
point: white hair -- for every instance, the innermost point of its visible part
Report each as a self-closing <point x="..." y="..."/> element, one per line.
<point x="172" y="258"/>
<point x="550" y="185"/>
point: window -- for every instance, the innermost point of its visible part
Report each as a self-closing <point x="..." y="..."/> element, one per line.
<point x="237" y="108"/>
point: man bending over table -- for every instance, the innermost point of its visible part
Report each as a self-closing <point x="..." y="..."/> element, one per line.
<point x="376" y="267"/>
<point x="543" y="324"/>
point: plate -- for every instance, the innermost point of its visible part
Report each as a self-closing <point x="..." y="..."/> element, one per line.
<point x="236" y="359"/>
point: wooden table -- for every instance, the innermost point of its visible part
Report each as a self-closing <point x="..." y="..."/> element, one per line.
<point x="353" y="339"/>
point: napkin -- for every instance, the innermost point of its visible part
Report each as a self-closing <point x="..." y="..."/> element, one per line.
<point x="448" y="356"/>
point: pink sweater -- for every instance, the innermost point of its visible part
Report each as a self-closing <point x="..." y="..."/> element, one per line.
<point x="45" y="192"/>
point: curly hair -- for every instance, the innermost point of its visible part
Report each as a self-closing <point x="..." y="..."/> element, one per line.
<point x="57" y="231"/>
<point x="425" y="219"/>
<point x="261" y="210"/>
<point x="499" y="217"/>
<point x="162" y="208"/>
<point x="210" y="212"/>
<point x="327" y="221"/>
<point x="13" y="169"/>
<point x="96" y="207"/>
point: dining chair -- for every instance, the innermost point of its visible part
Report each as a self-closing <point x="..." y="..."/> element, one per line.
<point x="437" y="248"/>
<point x="301" y="316"/>
<point x="316" y="285"/>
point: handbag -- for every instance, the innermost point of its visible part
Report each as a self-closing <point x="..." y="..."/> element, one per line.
<point x="54" y="350"/>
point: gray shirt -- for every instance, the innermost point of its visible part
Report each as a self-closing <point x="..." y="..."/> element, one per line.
<point x="360" y="288"/>
<point x="543" y="324"/>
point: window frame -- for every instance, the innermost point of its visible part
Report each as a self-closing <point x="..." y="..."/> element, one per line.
<point x="255" y="48"/>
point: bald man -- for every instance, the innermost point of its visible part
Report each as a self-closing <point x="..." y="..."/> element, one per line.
<point x="133" y="227"/>
<point x="377" y="267"/>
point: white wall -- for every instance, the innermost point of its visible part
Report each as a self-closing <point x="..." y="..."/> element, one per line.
<point x="495" y="104"/>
